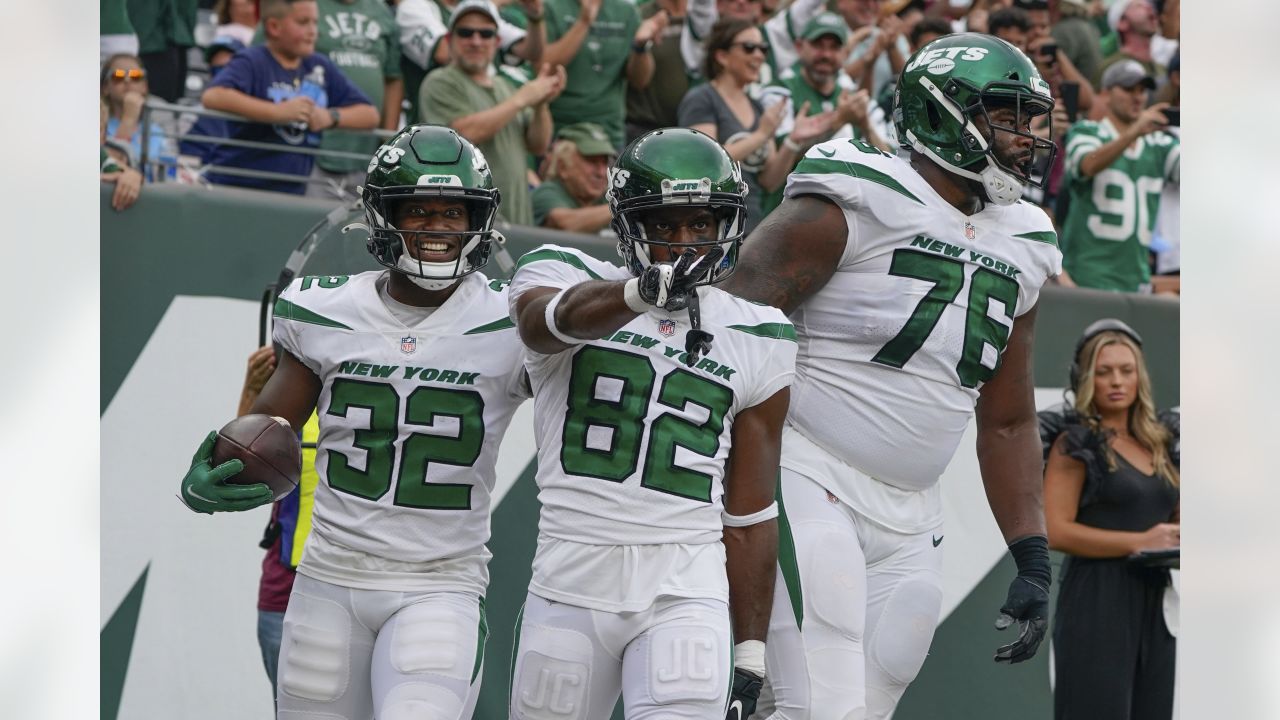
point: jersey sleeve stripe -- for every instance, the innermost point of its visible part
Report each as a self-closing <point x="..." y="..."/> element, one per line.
<point x="1045" y="236"/>
<point x="288" y="311"/>
<point x="561" y="256"/>
<point x="499" y="324"/>
<point x="820" y="166"/>
<point x="774" y="331"/>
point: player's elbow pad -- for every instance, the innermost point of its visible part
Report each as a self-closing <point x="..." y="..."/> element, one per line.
<point x="754" y="518"/>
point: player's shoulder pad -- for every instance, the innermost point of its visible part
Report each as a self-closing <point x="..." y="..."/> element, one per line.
<point x="560" y="254"/>
<point x="845" y="169"/>
<point x="324" y="300"/>
<point x="758" y="320"/>
<point x="1029" y="222"/>
<point x="491" y="312"/>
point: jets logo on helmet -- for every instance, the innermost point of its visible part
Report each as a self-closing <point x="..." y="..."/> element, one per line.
<point x="676" y="167"/>
<point x="430" y="161"/>
<point x="942" y="108"/>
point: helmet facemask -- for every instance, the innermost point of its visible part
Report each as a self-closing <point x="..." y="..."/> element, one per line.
<point x="636" y="245"/>
<point x="390" y="245"/>
<point x="1002" y="181"/>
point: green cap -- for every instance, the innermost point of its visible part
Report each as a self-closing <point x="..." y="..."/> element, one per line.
<point x="589" y="138"/>
<point x="827" y="23"/>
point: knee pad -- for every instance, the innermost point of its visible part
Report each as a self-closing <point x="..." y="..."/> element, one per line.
<point x="432" y="637"/>
<point x="687" y="663"/>
<point x="553" y="674"/>
<point x="903" y="634"/>
<point x="315" y="657"/>
<point x="833" y="580"/>
<point x="421" y="701"/>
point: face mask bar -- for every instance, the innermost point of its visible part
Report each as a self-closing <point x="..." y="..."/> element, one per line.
<point x="389" y="245"/>
<point x="1035" y="170"/>
<point x="635" y="246"/>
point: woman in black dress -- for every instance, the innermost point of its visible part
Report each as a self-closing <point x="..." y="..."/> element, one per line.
<point x="1111" y="490"/>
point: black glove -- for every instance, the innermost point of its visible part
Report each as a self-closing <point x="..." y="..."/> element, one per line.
<point x="667" y="285"/>
<point x="745" y="694"/>
<point x="1028" y="600"/>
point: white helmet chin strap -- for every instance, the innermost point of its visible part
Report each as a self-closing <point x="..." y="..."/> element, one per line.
<point x="1002" y="187"/>
<point x="434" y="275"/>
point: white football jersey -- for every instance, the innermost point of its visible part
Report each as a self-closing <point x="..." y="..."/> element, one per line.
<point x="894" y="348"/>
<point x="632" y="443"/>
<point x="410" y="422"/>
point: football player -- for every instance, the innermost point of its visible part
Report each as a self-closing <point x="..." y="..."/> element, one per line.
<point x="657" y="457"/>
<point x="415" y="372"/>
<point x="912" y="285"/>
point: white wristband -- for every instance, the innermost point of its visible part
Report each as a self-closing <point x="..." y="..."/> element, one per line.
<point x="550" y="318"/>
<point x="749" y="655"/>
<point x="631" y="295"/>
<point x="791" y="145"/>
<point x="759" y="516"/>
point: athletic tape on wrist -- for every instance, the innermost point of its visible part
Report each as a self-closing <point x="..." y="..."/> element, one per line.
<point x="759" y="516"/>
<point x="631" y="294"/>
<point x="749" y="655"/>
<point x="551" y="321"/>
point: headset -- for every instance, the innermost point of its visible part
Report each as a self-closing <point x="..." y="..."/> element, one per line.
<point x="1094" y="330"/>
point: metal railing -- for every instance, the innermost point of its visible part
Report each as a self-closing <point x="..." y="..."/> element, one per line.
<point x="197" y="173"/>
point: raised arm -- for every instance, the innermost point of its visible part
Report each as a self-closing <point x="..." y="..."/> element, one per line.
<point x="792" y="254"/>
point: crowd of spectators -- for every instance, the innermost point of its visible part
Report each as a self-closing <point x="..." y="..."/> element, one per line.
<point x="550" y="90"/>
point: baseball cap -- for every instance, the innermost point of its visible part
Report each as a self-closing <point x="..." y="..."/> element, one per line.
<point x="827" y="23"/>
<point x="589" y="138"/>
<point x="468" y="6"/>
<point x="1116" y="11"/>
<point x="1031" y="4"/>
<point x="222" y="42"/>
<point x="1127" y="73"/>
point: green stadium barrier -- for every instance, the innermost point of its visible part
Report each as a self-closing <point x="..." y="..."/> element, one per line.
<point x="225" y="242"/>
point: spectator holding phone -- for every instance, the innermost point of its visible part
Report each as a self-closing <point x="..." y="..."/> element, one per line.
<point x="1116" y="169"/>
<point x="1111" y="489"/>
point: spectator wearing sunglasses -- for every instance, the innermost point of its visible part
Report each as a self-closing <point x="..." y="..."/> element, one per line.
<point x="290" y="92"/>
<point x="721" y="108"/>
<point x="124" y="89"/>
<point x="498" y="111"/>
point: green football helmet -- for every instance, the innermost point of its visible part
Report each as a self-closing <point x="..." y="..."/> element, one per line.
<point x="676" y="167"/>
<point x="431" y="161"/>
<point x="955" y="79"/>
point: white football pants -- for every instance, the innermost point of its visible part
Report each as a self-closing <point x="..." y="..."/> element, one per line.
<point x="673" y="660"/>
<point x="361" y="654"/>
<point x="854" y="610"/>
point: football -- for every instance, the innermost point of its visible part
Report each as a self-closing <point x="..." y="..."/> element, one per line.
<point x="269" y="449"/>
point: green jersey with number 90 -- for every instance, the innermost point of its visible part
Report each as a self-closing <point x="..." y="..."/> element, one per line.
<point x="410" y="422"/>
<point x="895" y="346"/>
<point x="1107" y="235"/>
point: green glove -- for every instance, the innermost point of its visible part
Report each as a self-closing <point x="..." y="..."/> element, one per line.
<point x="204" y="489"/>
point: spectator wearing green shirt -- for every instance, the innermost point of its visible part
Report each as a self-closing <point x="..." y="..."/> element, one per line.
<point x="166" y="29"/>
<point x="497" y="112"/>
<point x="655" y="106"/>
<point x="1117" y="169"/>
<point x="603" y="46"/>
<point x="361" y="38"/>
<point x="572" y="196"/>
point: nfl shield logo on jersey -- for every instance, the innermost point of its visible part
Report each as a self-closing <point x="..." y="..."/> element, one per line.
<point x="970" y="232"/>
<point x="408" y="344"/>
<point x="667" y="327"/>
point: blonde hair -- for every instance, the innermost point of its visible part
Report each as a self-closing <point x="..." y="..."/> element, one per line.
<point x="1143" y="425"/>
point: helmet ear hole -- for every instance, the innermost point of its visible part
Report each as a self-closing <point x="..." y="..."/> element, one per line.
<point x="933" y="116"/>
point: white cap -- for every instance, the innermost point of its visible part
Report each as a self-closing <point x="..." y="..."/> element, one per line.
<point x="1115" y="12"/>
<point x="469" y="6"/>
